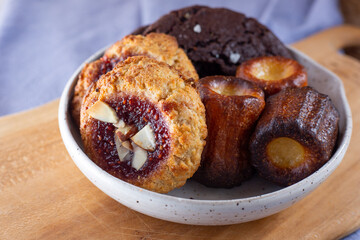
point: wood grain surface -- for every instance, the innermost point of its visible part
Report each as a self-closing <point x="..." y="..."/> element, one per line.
<point x="44" y="196"/>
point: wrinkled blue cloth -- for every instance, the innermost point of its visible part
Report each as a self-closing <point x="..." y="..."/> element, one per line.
<point x="43" y="42"/>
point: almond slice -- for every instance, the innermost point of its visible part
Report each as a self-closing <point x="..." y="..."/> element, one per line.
<point x="145" y="138"/>
<point x="122" y="151"/>
<point x="127" y="145"/>
<point x="128" y="157"/>
<point x="125" y="132"/>
<point x="140" y="157"/>
<point x="103" y="112"/>
<point x="120" y="124"/>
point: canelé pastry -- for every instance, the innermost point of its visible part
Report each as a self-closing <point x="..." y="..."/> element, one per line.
<point x="142" y="123"/>
<point x="217" y="40"/>
<point x="158" y="46"/>
<point x="273" y="73"/>
<point x="232" y="107"/>
<point x="295" y="135"/>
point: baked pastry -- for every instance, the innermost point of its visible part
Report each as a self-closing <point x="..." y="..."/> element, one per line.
<point x="295" y="135"/>
<point x="158" y="46"/>
<point x="141" y="122"/>
<point x="217" y="40"/>
<point x="232" y="107"/>
<point x="273" y="73"/>
<point x="89" y="74"/>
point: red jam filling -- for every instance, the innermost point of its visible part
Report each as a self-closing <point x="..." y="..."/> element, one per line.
<point x="107" y="64"/>
<point x="133" y="111"/>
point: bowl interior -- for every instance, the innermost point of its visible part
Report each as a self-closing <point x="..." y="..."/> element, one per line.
<point x="319" y="78"/>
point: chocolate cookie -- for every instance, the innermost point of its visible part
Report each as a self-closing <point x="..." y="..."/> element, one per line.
<point x="217" y="40"/>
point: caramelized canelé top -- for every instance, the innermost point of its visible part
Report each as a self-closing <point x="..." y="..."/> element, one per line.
<point x="273" y="73"/>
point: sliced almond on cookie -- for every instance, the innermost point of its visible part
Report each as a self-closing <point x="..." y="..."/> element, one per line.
<point x="124" y="131"/>
<point x="103" y="112"/>
<point x="140" y="157"/>
<point x="121" y="150"/>
<point x="145" y="138"/>
<point x="127" y="145"/>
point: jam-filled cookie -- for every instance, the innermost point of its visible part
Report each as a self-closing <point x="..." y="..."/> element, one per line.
<point x="142" y="123"/>
<point x="89" y="74"/>
<point x="159" y="46"/>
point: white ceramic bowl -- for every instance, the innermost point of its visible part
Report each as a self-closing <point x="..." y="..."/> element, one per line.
<point x="196" y="204"/>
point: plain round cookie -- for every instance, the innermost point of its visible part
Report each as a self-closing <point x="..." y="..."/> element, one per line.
<point x="217" y="40"/>
<point x="159" y="46"/>
<point x="144" y="91"/>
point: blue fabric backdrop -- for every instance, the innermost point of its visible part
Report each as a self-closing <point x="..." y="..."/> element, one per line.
<point x="43" y="42"/>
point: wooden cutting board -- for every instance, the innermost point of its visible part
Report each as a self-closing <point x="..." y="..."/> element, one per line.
<point x="44" y="196"/>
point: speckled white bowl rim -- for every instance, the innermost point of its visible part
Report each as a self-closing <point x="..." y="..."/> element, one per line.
<point x="203" y="212"/>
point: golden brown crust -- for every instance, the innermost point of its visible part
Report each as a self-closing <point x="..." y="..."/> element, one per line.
<point x="91" y="72"/>
<point x="180" y="105"/>
<point x="301" y="114"/>
<point x="230" y="120"/>
<point x="159" y="46"/>
<point x="297" y="76"/>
